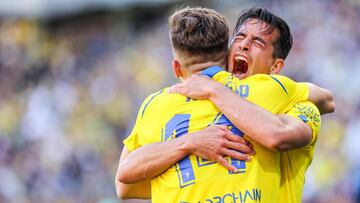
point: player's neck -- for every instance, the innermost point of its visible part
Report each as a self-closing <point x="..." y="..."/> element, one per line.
<point x="196" y="68"/>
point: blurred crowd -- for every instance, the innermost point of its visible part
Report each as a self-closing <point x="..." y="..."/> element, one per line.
<point x="70" y="90"/>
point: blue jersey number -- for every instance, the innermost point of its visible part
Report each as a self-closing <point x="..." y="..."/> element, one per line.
<point x="222" y="120"/>
<point x="178" y="126"/>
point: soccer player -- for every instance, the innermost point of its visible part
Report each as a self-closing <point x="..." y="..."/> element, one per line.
<point x="252" y="32"/>
<point x="200" y="179"/>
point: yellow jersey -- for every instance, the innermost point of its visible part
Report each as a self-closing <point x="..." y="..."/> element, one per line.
<point x="294" y="163"/>
<point x="165" y="116"/>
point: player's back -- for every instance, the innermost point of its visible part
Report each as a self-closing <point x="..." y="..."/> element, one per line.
<point x="166" y="116"/>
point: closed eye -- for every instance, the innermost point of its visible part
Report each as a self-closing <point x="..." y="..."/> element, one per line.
<point x="240" y="37"/>
<point x="259" y="41"/>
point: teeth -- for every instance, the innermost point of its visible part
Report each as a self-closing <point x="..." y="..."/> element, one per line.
<point x="240" y="58"/>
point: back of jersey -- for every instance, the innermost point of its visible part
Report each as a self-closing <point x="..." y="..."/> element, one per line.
<point x="166" y="116"/>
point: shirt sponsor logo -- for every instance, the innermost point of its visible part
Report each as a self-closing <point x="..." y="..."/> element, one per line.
<point x="252" y="195"/>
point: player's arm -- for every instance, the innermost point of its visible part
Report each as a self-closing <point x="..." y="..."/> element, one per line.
<point x="276" y="132"/>
<point x="308" y="113"/>
<point x="152" y="159"/>
<point x="140" y="190"/>
<point x="147" y="160"/>
<point x="322" y="98"/>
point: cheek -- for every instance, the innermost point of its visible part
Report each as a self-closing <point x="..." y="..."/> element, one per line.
<point x="262" y="58"/>
<point x="230" y="62"/>
<point x="260" y="65"/>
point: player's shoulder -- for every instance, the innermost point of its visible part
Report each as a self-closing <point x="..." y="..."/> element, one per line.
<point x="280" y="79"/>
<point x="274" y="81"/>
<point x="164" y="96"/>
<point x="151" y="99"/>
<point x="156" y="95"/>
<point x="160" y="100"/>
<point x="269" y="76"/>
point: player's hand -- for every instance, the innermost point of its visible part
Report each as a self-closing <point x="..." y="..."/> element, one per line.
<point x="216" y="142"/>
<point x="195" y="87"/>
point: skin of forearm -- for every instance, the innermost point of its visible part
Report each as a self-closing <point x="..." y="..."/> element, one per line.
<point x="149" y="160"/>
<point x="322" y="98"/>
<point x="296" y="133"/>
<point x="248" y="117"/>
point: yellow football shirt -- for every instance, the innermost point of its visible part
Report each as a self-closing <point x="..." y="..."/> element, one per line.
<point x="294" y="163"/>
<point x="165" y="116"/>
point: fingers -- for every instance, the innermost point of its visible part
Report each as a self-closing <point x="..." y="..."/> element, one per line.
<point x="236" y="138"/>
<point x="223" y="127"/>
<point x="232" y="137"/>
<point x="236" y="142"/>
<point x="221" y="160"/>
<point x="236" y="155"/>
<point x="251" y="147"/>
<point x="178" y="88"/>
<point x="239" y="147"/>
<point x="221" y="142"/>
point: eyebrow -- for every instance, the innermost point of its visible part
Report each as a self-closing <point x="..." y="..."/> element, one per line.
<point x="241" y="33"/>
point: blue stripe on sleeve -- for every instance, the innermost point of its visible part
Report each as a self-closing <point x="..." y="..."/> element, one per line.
<point x="303" y="118"/>
<point x="211" y="71"/>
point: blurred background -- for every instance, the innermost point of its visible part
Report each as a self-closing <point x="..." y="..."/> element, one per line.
<point x="74" y="73"/>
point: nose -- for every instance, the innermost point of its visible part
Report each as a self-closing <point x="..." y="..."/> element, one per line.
<point x="245" y="44"/>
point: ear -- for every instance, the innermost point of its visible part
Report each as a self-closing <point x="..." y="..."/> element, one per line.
<point x="176" y="68"/>
<point x="278" y="66"/>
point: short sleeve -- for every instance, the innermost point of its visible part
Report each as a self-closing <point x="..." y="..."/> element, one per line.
<point x="134" y="141"/>
<point x="308" y="113"/>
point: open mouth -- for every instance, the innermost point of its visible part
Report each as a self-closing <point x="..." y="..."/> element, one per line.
<point x="240" y="66"/>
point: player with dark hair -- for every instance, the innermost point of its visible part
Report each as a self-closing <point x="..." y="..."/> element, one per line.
<point x="261" y="43"/>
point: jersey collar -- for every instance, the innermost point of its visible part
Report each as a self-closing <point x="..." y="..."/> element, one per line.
<point x="211" y="71"/>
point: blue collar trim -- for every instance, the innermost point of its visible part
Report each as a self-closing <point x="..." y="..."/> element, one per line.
<point x="211" y="71"/>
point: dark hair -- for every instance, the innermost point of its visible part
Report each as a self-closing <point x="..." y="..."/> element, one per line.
<point x="283" y="43"/>
<point x="200" y="33"/>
